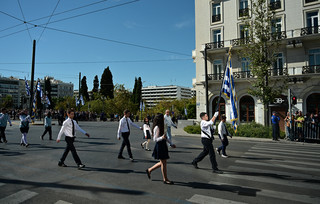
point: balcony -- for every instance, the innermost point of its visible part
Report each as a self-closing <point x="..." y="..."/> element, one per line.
<point x="275" y="5"/>
<point x="311" y="69"/>
<point x="242" y="75"/>
<point x="310" y="30"/>
<point x="213" y="45"/>
<point x="278" y="35"/>
<point x="216" y="76"/>
<point x="310" y="1"/>
<point x="216" y="18"/>
<point x="243" y="12"/>
<point x="240" y="41"/>
<point x="278" y="72"/>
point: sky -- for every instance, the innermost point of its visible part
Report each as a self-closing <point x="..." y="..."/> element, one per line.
<point x="150" y="39"/>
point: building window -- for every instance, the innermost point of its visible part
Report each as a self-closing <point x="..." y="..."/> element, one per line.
<point x="278" y="65"/>
<point x="275" y="4"/>
<point x="276" y="29"/>
<point x="312" y="22"/>
<point x="217" y="66"/>
<point x="244" y="32"/>
<point x="243" y="8"/>
<point x="222" y="106"/>
<point x="217" y="42"/>
<point x="216" y="12"/>
<point x="245" y="64"/>
<point x="310" y="1"/>
<point x="246" y="109"/>
<point x="313" y="103"/>
<point x="314" y="57"/>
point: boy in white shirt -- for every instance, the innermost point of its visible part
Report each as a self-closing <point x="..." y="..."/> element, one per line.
<point x="223" y="133"/>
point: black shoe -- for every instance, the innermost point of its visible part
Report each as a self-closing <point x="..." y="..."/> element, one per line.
<point x="142" y="146"/>
<point x="131" y="159"/>
<point x="218" y="151"/>
<point x="217" y="171"/>
<point x="148" y="173"/>
<point x="148" y="149"/>
<point x="80" y="166"/>
<point x="41" y="137"/>
<point x="0" y="141"/>
<point x="22" y="144"/>
<point x="61" y="164"/>
<point x="121" y="157"/>
<point x="195" y="165"/>
<point x="168" y="182"/>
<point x="27" y="145"/>
<point x="5" y="141"/>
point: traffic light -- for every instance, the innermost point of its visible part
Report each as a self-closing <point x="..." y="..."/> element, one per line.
<point x="294" y="100"/>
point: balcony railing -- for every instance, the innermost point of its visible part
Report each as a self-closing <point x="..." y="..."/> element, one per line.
<point x="240" y="41"/>
<point x="279" y="35"/>
<point x="275" y="5"/>
<point x="310" y="30"/>
<point x="311" y="69"/>
<point x="216" y="18"/>
<point x="244" y="12"/>
<point x="242" y="75"/>
<point x="278" y="71"/>
<point x="213" y="45"/>
<point x="216" y="76"/>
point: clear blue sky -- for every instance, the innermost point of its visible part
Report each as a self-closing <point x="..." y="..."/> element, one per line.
<point x="165" y="25"/>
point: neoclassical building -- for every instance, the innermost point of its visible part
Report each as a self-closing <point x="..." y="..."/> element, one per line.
<point x="219" y="24"/>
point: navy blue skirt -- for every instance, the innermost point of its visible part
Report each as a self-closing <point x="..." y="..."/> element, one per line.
<point x="148" y="135"/>
<point x="160" y="150"/>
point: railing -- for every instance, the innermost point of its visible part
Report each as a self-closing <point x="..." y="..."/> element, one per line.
<point x="310" y="30"/>
<point x="278" y="35"/>
<point x="311" y="69"/>
<point x="216" y="76"/>
<point x="240" y="41"/>
<point x="244" y="12"/>
<point x="275" y="5"/>
<point x="278" y="71"/>
<point x="242" y="75"/>
<point x="216" y="18"/>
<point x="308" y="131"/>
<point x="212" y="45"/>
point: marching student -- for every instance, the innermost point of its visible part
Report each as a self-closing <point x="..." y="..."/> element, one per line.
<point x="223" y="133"/>
<point x="69" y="128"/>
<point x="47" y="126"/>
<point x="24" y="127"/>
<point x="4" y="119"/>
<point x="168" y="123"/>
<point x="160" y="151"/>
<point x="146" y="134"/>
<point x="124" y="131"/>
<point x="207" y="131"/>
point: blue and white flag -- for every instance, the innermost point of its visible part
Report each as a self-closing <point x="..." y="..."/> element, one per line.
<point x="185" y="111"/>
<point x="82" y="101"/>
<point x="27" y="87"/>
<point x="143" y="106"/>
<point x="77" y="101"/>
<point x="47" y="100"/>
<point x="229" y="91"/>
<point x="39" y="89"/>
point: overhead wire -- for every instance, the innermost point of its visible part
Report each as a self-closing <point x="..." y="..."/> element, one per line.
<point x="24" y="20"/>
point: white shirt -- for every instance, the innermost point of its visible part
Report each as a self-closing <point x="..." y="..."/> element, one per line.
<point x="157" y="137"/>
<point x="123" y="126"/>
<point x="67" y="129"/>
<point x="167" y="121"/>
<point x="222" y="130"/>
<point x="205" y="126"/>
<point x="145" y="128"/>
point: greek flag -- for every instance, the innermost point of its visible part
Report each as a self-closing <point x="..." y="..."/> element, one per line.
<point x="27" y="87"/>
<point x="82" y="101"/>
<point x="47" y="100"/>
<point x="39" y="88"/>
<point x="185" y="111"/>
<point x="77" y="101"/>
<point x="229" y="91"/>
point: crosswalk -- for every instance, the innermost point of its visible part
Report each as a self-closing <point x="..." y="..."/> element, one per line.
<point x="269" y="173"/>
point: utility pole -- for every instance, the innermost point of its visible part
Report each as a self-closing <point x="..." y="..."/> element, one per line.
<point x="79" y="91"/>
<point x="32" y="76"/>
<point x="206" y="81"/>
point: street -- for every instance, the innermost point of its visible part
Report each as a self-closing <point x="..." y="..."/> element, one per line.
<point x="255" y="172"/>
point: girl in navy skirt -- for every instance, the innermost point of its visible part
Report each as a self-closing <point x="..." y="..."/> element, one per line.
<point x="160" y="151"/>
<point x="146" y="134"/>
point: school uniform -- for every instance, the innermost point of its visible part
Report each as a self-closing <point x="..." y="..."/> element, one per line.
<point x="24" y="128"/>
<point x="4" y="119"/>
<point x="146" y="136"/>
<point x="48" y="127"/>
<point x="69" y="128"/>
<point x="124" y="131"/>
<point x="223" y="133"/>
<point x="161" y="149"/>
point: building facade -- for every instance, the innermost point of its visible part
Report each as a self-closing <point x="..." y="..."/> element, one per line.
<point x="10" y="86"/>
<point x="219" y="24"/>
<point x="151" y="95"/>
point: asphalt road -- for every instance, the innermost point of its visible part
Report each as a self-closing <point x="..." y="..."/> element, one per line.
<point x="255" y="172"/>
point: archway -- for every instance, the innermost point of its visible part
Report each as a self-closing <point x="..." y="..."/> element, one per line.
<point x="246" y="109"/>
<point x="313" y="103"/>
<point x="222" y="106"/>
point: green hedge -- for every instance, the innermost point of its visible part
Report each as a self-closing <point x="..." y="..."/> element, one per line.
<point x="244" y="130"/>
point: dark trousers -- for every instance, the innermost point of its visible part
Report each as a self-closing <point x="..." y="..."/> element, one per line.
<point x="70" y="147"/>
<point x="275" y="131"/>
<point x="48" y="129"/>
<point x="3" y="134"/>
<point x="223" y="147"/>
<point x="125" y="142"/>
<point x="207" y="149"/>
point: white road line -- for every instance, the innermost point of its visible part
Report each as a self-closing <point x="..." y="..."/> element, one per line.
<point x="18" y="197"/>
<point x="278" y="165"/>
<point x="284" y="155"/>
<point x="266" y="179"/>
<point x="286" y="150"/>
<point x="201" y="199"/>
<point x="62" y="202"/>
<point x="277" y="194"/>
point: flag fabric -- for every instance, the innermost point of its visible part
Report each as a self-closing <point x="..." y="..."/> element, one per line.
<point x="143" y="106"/>
<point x="185" y="111"/>
<point x="140" y="105"/>
<point x="34" y="105"/>
<point x="39" y="88"/>
<point x="82" y="101"/>
<point x="47" y="100"/>
<point x="27" y="87"/>
<point x="228" y="89"/>
<point x="77" y="101"/>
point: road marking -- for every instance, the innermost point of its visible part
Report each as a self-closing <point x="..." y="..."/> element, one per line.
<point x="18" y="197"/>
<point x="62" y="202"/>
<point x="286" y="150"/>
<point x="266" y="179"/>
<point x="2" y="184"/>
<point x="275" y="194"/>
<point x="201" y="199"/>
<point x="263" y="154"/>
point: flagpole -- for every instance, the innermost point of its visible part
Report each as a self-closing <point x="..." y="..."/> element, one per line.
<point x="224" y="72"/>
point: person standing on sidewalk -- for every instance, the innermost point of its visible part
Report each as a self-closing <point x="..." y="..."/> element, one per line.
<point x="223" y="133"/>
<point x="287" y="121"/>
<point x="207" y="131"/>
<point x="4" y="119"/>
<point x="69" y="128"/>
<point x="300" y="121"/>
<point x="146" y="134"/>
<point x="124" y="131"/>
<point x="24" y="127"/>
<point x="47" y="126"/>
<point x="275" y="119"/>
<point x="168" y="123"/>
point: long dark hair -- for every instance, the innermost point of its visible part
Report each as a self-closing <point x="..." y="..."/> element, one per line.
<point x="159" y="121"/>
<point x="145" y="122"/>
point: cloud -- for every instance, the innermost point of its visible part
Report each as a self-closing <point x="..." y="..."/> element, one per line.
<point x="184" y="24"/>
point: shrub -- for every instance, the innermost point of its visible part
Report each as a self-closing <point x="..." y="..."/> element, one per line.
<point x="193" y="129"/>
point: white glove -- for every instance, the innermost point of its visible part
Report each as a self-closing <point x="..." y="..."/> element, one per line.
<point x="216" y="114"/>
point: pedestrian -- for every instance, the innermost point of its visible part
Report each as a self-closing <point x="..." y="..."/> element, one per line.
<point x="223" y="133"/>
<point x="287" y="121"/>
<point x="299" y="120"/>
<point x="275" y="119"/>
<point x="124" y="131"/>
<point x="207" y="131"/>
<point x="24" y="127"/>
<point x="69" y="128"/>
<point x="146" y="134"/>
<point x="160" y="151"/>
<point x="168" y="123"/>
<point x="47" y="126"/>
<point x="4" y="119"/>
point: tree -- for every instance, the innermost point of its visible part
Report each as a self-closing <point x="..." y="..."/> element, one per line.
<point x="134" y="92"/>
<point x="95" y="84"/>
<point x="47" y="90"/>
<point x="7" y="102"/>
<point x="84" y="88"/>
<point x="139" y="90"/>
<point x="261" y="48"/>
<point x="106" y="84"/>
